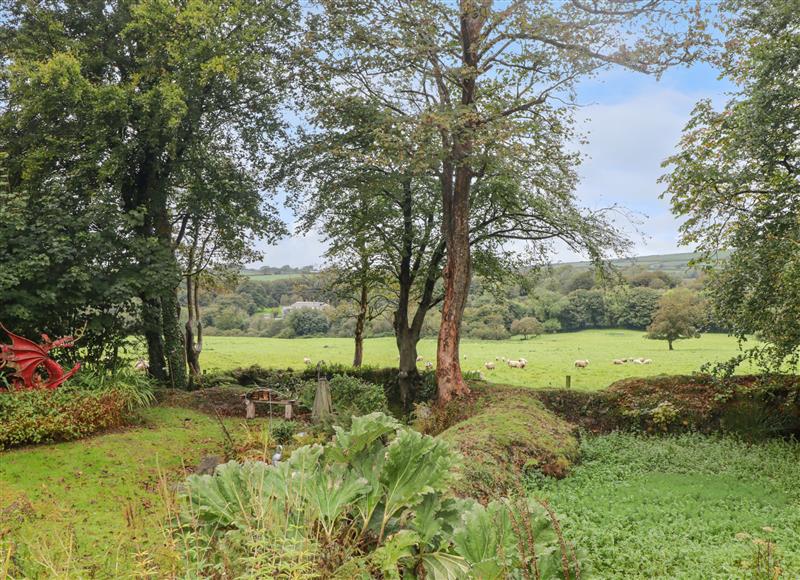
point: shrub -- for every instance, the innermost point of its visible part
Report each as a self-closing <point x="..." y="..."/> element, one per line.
<point x="283" y="431"/>
<point x="374" y="502"/>
<point x="70" y="412"/>
<point x="350" y="396"/>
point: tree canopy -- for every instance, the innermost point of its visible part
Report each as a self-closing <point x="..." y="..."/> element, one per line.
<point x="736" y="180"/>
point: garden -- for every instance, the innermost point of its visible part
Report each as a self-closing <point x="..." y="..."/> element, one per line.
<point x="355" y="289"/>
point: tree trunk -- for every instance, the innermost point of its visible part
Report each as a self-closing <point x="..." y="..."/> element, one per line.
<point x="456" y="181"/>
<point x="174" y="347"/>
<point x="670" y="344"/>
<point x="358" y="357"/>
<point x="449" y="379"/>
<point x="194" y="344"/>
<point x="151" y="321"/>
<point x="407" y="378"/>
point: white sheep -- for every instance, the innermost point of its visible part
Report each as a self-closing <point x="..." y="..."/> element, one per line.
<point x="489" y="366"/>
<point x="647" y="361"/>
<point x="419" y="357"/>
<point x="524" y="361"/>
<point x="638" y="361"/>
<point x="306" y="360"/>
<point x="516" y="364"/>
<point x="142" y="365"/>
<point x="582" y="363"/>
<point x="618" y="361"/>
<point x="428" y="365"/>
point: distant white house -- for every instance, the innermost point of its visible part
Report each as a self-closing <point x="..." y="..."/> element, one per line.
<point x="300" y="305"/>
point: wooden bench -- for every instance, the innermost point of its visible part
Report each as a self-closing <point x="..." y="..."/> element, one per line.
<point x="266" y="397"/>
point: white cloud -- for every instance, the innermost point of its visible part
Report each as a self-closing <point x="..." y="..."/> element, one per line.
<point x="295" y="251"/>
<point x="627" y="141"/>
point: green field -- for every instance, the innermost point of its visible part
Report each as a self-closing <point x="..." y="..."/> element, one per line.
<point x="273" y="277"/>
<point x="690" y="506"/>
<point x="550" y="357"/>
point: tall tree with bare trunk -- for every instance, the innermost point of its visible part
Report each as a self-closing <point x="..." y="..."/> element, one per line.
<point x="477" y="79"/>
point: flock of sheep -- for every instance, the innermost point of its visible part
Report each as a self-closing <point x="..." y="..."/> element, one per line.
<point x="521" y="363"/>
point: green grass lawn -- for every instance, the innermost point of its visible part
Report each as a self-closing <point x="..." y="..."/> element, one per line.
<point x="683" y="507"/>
<point x="550" y="357"/>
<point x="273" y="277"/>
<point x="90" y="505"/>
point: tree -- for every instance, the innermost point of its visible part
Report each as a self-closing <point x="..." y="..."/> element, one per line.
<point x="307" y="321"/>
<point x="106" y="110"/>
<point x="681" y="314"/>
<point x="219" y="212"/>
<point x="482" y="82"/>
<point x="736" y="180"/>
<point x="527" y="326"/>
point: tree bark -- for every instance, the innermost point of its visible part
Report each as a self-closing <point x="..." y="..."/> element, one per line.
<point x="670" y="344"/>
<point x="456" y="181"/>
<point x="174" y="346"/>
<point x="457" y="272"/>
<point x="407" y="378"/>
<point x="361" y="318"/>
<point x="151" y="322"/>
<point x="194" y="344"/>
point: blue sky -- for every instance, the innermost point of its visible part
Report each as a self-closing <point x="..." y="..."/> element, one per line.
<point x="633" y="122"/>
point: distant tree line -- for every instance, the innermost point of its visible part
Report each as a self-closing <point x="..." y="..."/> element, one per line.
<point x="563" y="299"/>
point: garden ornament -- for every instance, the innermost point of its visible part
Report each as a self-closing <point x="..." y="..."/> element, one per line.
<point x="25" y="357"/>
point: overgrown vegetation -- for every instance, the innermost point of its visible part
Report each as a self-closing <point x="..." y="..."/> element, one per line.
<point x="93" y="401"/>
<point x="375" y="501"/>
<point x="753" y="407"/>
<point x="506" y="433"/>
<point x="688" y="506"/>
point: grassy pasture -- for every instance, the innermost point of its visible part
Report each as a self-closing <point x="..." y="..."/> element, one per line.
<point x="273" y="277"/>
<point x="550" y="357"/>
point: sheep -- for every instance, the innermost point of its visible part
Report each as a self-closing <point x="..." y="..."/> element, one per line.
<point x="419" y="358"/>
<point x="428" y="365"/>
<point x="497" y="358"/>
<point x="618" y="361"/>
<point x="489" y="366"/>
<point x="582" y="363"/>
<point x="638" y="361"/>
<point x="502" y="358"/>
<point x="141" y="365"/>
<point x="516" y="364"/>
<point x="306" y="360"/>
<point x="524" y="361"/>
<point x="647" y="361"/>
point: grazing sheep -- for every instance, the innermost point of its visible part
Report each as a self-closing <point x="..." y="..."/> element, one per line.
<point x="618" y="361"/>
<point x="582" y="363"/>
<point x="502" y="358"/>
<point x="516" y="364"/>
<point x="638" y="361"/>
<point x="306" y="360"/>
<point x="419" y="358"/>
<point x="497" y="358"/>
<point x="647" y="361"/>
<point x="141" y="365"/>
<point x="465" y="357"/>
<point x="489" y="366"/>
<point x="523" y="360"/>
<point x="428" y="365"/>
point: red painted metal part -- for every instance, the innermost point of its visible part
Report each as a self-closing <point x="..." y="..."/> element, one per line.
<point x="25" y="357"/>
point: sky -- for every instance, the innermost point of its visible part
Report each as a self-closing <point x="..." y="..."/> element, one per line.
<point x="633" y="122"/>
